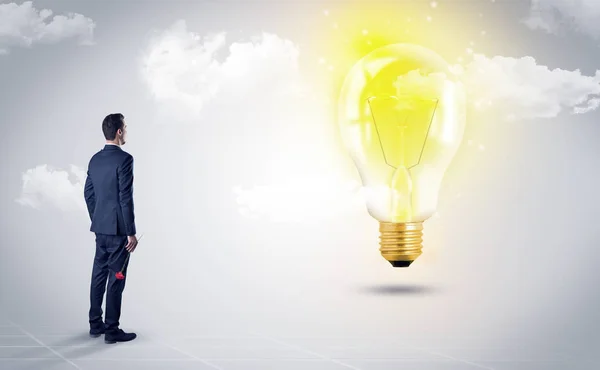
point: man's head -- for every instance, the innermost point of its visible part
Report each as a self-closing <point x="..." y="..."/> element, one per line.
<point x="114" y="128"/>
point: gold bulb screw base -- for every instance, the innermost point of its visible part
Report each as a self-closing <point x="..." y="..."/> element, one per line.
<point x="401" y="243"/>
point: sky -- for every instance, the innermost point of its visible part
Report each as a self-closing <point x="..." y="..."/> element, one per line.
<point x="248" y="202"/>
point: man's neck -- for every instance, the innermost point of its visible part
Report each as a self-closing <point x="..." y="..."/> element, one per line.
<point x="111" y="142"/>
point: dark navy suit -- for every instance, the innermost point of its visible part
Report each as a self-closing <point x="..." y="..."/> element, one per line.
<point x="109" y="198"/>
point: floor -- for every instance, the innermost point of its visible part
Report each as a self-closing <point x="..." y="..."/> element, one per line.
<point x="46" y="347"/>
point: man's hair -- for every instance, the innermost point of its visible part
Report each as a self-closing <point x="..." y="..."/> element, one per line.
<point x="111" y="124"/>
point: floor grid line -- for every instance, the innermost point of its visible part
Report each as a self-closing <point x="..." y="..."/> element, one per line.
<point x="41" y="343"/>
<point x="454" y="358"/>
<point x="312" y="353"/>
<point x="241" y="352"/>
<point x="189" y="355"/>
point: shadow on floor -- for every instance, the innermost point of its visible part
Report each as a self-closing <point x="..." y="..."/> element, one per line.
<point x="398" y="289"/>
<point x="72" y="347"/>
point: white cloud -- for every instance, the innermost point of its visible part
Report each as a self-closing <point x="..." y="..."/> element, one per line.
<point x="254" y="83"/>
<point x="43" y="185"/>
<point x="592" y="104"/>
<point x="23" y="25"/>
<point x="185" y="71"/>
<point x="523" y="89"/>
<point x="553" y="16"/>
<point x="190" y="75"/>
<point x="300" y="199"/>
<point x="518" y="87"/>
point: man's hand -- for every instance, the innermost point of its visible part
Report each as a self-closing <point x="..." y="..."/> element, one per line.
<point x="132" y="242"/>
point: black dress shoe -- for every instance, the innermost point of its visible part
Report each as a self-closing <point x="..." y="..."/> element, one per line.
<point x="118" y="336"/>
<point x="95" y="333"/>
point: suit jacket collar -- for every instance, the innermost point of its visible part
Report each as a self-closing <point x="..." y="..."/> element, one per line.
<point x="111" y="147"/>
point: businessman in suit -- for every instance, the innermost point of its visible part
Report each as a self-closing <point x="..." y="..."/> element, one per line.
<point x="109" y="197"/>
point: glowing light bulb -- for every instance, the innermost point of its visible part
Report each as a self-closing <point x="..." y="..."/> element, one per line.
<point x="401" y="113"/>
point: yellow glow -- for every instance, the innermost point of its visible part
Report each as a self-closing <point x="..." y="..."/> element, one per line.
<point x="356" y="29"/>
<point x="401" y="113"/>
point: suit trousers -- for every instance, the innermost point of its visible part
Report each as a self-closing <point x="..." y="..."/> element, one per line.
<point x="109" y="259"/>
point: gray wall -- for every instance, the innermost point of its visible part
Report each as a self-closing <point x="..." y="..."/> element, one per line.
<point x="512" y="256"/>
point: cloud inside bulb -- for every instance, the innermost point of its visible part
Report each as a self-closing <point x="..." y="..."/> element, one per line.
<point x="415" y="83"/>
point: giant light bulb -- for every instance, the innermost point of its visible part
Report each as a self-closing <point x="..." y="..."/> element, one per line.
<point x="401" y="114"/>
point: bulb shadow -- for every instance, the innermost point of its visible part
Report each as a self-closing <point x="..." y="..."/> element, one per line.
<point x="398" y="289"/>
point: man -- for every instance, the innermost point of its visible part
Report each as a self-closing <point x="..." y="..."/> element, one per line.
<point x="109" y="198"/>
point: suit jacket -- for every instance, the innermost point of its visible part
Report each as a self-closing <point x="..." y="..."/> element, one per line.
<point x="109" y="192"/>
